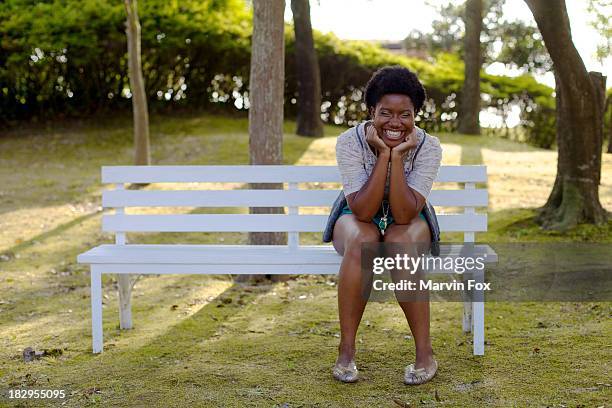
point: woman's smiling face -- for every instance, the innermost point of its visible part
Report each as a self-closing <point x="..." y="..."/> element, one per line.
<point x="393" y="118"/>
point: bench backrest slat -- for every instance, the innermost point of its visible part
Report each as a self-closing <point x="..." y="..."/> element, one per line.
<point x="259" y="174"/>
<point x="265" y="198"/>
<point x="257" y="223"/>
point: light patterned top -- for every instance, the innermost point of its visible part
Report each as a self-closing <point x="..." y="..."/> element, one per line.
<point x="356" y="161"/>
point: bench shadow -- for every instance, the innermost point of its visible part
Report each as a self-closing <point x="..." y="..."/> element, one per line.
<point x="274" y="357"/>
<point x="16" y="249"/>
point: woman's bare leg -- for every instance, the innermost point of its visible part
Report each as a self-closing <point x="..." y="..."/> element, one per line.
<point x="349" y="234"/>
<point x="417" y="237"/>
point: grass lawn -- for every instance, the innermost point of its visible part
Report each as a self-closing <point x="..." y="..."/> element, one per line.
<point x="205" y="341"/>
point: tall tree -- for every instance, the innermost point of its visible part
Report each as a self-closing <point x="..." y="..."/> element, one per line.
<point x="606" y="110"/>
<point x="469" y="108"/>
<point x="266" y="94"/>
<point x="140" y="110"/>
<point x="142" y="155"/>
<point x="575" y="195"/>
<point x="308" y="76"/>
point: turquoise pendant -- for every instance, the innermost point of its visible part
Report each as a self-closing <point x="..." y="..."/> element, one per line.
<point x="382" y="225"/>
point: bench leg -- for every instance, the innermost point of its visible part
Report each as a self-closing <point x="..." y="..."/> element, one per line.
<point x="467" y="309"/>
<point x="125" y="301"/>
<point x="96" y="309"/>
<point x="478" y="316"/>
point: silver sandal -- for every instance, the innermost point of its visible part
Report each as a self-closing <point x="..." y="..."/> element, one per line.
<point x="346" y="374"/>
<point x="416" y="376"/>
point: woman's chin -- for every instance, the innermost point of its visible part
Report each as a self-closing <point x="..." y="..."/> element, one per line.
<point x="391" y="143"/>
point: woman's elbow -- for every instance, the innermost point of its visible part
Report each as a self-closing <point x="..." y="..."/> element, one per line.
<point x="363" y="217"/>
<point x="404" y="219"/>
<point x="401" y="221"/>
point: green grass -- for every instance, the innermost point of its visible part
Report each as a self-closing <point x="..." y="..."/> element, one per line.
<point x="205" y="341"/>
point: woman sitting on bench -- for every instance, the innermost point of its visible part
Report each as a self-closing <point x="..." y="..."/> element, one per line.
<point x="385" y="190"/>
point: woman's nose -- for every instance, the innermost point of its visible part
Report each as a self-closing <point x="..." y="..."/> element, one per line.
<point x="395" y="121"/>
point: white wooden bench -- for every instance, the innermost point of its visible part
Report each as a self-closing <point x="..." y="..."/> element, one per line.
<point x="123" y="259"/>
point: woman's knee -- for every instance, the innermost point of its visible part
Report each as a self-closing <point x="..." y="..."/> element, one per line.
<point x="350" y="233"/>
<point x="360" y="236"/>
<point x="417" y="231"/>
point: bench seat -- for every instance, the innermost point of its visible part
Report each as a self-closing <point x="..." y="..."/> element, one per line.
<point x="233" y="259"/>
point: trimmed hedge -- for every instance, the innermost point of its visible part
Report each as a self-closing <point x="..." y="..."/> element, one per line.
<point x="68" y="57"/>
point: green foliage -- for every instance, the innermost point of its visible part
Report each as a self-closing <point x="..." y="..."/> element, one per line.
<point x="68" y="57"/>
<point x="64" y="56"/>
<point x="522" y="47"/>
<point x="514" y="43"/>
<point x="601" y="12"/>
<point x="539" y="120"/>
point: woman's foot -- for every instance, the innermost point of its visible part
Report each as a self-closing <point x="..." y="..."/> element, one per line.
<point x="416" y="374"/>
<point x="345" y="369"/>
<point x="346" y="373"/>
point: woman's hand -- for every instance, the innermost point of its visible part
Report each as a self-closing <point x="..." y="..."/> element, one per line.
<point x="375" y="140"/>
<point x="409" y="143"/>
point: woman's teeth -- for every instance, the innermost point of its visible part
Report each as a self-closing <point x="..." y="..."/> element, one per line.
<point x="393" y="135"/>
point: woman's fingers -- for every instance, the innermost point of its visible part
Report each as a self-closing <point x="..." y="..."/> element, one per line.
<point x="412" y="137"/>
<point x="373" y="138"/>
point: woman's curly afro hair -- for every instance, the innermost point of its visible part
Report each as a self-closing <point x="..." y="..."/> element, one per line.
<point x="394" y="80"/>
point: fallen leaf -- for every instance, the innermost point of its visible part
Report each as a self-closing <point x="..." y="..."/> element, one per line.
<point x="90" y="391"/>
<point x="401" y="403"/>
<point x="437" y="396"/>
<point x="55" y="352"/>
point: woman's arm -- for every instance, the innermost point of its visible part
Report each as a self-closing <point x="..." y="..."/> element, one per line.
<point x="408" y="192"/>
<point x="365" y="203"/>
<point x="405" y="202"/>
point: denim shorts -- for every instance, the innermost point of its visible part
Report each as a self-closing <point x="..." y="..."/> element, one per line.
<point x="378" y="216"/>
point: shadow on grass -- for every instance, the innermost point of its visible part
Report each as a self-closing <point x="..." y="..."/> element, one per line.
<point x="519" y="225"/>
<point x="287" y="363"/>
<point x="11" y="252"/>
<point x="60" y="164"/>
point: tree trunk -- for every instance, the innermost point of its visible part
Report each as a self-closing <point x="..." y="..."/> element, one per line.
<point x="308" y="76"/>
<point x="266" y="94"/>
<point x="142" y="155"/>
<point x="606" y="109"/>
<point x="470" y="94"/>
<point x="575" y="195"/>
<point x="599" y="83"/>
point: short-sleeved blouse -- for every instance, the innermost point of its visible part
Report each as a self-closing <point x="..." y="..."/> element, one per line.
<point x="356" y="161"/>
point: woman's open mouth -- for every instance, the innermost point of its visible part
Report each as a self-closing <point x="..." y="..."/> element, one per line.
<point x="393" y="134"/>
